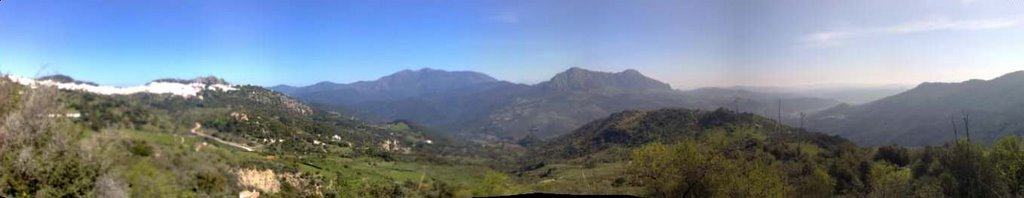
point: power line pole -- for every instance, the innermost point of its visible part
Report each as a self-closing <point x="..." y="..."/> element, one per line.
<point x="779" y="123"/>
<point x="956" y="135"/>
<point x="967" y="126"/>
<point x="736" y="104"/>
<point x="802" y="115"/>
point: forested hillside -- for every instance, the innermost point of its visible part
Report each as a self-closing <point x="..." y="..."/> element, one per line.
<point x="220" y="143"/>
<point x="692" y="153"/>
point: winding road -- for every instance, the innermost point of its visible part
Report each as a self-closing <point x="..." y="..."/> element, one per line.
<point x="195" y="130"/>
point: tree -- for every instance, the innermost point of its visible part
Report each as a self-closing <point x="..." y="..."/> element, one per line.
<point x="703" y="169"/>
<point x="38" y="154"/>
<point x="967" y="172"/>
<point x="667" y="171"/>
<point x="494" y="183"/>
<point x="756" y="178"/>
<point x="1008" y="156"/>
<point x="893" y="154"/>
<point x="888" y="180"/>
<point x="848" y="171"/>
<point x="812" y="181"/>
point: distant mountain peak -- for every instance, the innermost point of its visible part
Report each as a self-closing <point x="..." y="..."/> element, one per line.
<point x="1012" y="76"/>
<point x="207" y="80"/>
<point x="60" y="78"/>
<point x="576" y="78"/>
<point x="324" y="83"/>
<point x="437" y="74"/>
<point x="397" y="86"/>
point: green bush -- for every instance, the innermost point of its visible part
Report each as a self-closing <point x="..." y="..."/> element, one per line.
<point x="211" y="182"/>
<point x="39" y="155"/>
<point x="140" y="148"/>
<point x="494" y="183"/>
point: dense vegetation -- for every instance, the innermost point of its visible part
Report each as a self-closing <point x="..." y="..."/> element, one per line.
<point x="728" y="166"/>
<point x="691" y="153"/>
<point x="635" y="128"/>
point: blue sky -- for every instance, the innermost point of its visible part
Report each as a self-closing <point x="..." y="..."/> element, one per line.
<point x="685" y="43"/>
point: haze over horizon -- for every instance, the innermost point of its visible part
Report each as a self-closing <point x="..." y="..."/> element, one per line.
<point x="688" y="44"/>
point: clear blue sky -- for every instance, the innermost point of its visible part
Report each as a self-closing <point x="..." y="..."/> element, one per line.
<point x="686" y="43"/>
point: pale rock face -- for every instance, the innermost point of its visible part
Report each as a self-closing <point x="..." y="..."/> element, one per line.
<point x="394" y="146"/>
<point x="263" y="180"/>
<point x="177" y="89"/>
<point x="249" y="194"/>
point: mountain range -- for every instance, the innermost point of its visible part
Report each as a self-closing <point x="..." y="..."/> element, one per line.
<point x="927" y="114"/>
<point x="846" y="93"/>
<point x="473" y="103"/>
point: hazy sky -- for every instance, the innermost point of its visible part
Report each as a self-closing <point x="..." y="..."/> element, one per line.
<point x="686" y="43"/>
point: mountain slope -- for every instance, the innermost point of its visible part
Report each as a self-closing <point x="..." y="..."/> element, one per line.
<point x="249" y="115"/>
<point x="397" y="86"/>
<point x="215" y="143"/>
<point x="763" y="103"/>
<point x="483" y="106"/>
<point x="577" y="79"/>
<point x="635" y="128"/>
<point x="922" y="116"/>
<point x="851" y="94"/>
<point x="675" y="148"/>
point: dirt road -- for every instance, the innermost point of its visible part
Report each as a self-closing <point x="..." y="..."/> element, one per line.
<point x="195" y="130"/>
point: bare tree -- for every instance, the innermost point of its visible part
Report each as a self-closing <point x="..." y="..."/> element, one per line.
<point x="802" y="115"/>
<point x="7" y="92"/>
<point x="778" y="125"/>
<point x="967" y="125"/>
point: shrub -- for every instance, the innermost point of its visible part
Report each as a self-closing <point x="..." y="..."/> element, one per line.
<point x="38" y="154"/>
<point x="211" y="182"/>
<point x="140" y="148"/>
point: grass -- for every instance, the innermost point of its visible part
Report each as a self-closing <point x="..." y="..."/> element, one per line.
<point x="603" y="178"/>
<point x="159" y="173"/>
<point x="172" y="167"/>
<point x="372" y="168"/>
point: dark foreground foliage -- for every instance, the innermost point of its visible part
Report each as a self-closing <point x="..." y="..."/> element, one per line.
<point x="740" y="165"/>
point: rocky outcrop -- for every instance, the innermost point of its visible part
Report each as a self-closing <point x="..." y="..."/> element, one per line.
<point x="262" y="180"/>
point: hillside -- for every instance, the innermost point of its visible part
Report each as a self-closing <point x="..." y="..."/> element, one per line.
<point x="216" y="142"/>
<point x="694" y="153"/>
<point x="850" y="94"/>
<point x="398" y="86"/>
<point x="763" y="103"/>
<point x="481" y="106"/>
<point x="924" y="114"/>
<point x="630" y="129"/>
<point x="578" y="79"/>
<point x="682" y="152"/>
